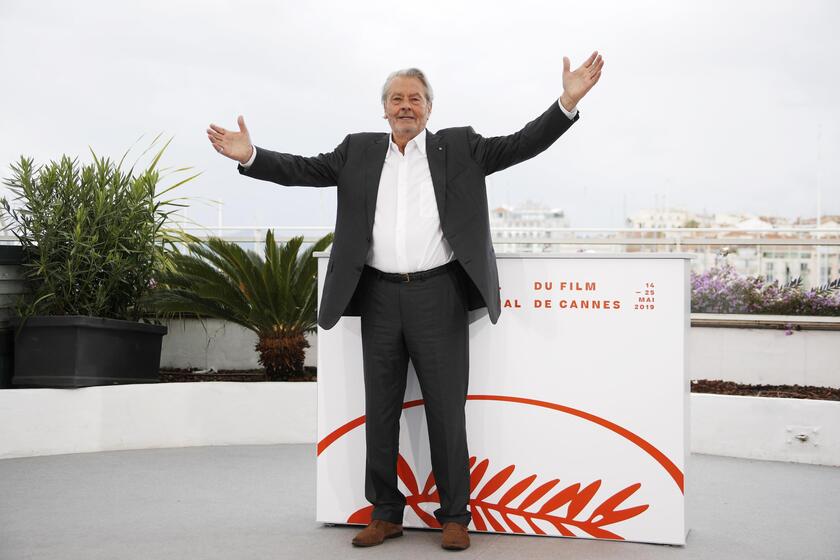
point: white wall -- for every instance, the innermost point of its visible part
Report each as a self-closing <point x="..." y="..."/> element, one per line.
<point x="217" y="344"/>
<point x="89" y="419"/>
<point x="766" y="428"/>
<point x="139" y="416"/>
<point x="767" y="356"/>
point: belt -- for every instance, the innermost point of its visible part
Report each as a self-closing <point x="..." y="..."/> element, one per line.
<point x="410" y="276"/>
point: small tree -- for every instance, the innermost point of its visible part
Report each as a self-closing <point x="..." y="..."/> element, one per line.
<point x="275" y="297"/>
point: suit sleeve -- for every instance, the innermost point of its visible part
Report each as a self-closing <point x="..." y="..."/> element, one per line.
<point x="293" y="170"/>
<point x="500" y="152"/>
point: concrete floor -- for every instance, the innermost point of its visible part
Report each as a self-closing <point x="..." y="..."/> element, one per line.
<point x="258" y="502"/>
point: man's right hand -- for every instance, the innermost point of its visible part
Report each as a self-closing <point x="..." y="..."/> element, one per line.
<point x="235" y="145"/>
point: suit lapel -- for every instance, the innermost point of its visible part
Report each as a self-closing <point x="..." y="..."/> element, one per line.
<point x="436" y="154"/>
<point x="374" y="161"/>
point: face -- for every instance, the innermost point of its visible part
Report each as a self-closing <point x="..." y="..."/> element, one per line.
<point x="406" y="107"/>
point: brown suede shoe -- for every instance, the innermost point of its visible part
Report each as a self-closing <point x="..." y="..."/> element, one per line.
<point x="376" y="532"/>
<point x="455" y="536"/>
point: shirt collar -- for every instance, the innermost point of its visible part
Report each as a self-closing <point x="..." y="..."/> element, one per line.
<point x="419" y="141"/>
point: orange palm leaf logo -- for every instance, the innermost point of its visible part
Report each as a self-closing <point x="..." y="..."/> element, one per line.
<point x="497" y="515"/>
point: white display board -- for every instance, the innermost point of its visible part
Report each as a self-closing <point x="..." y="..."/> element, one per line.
<point x="577" y="412"/>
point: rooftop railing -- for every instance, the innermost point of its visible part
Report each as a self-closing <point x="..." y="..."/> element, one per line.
<point x="782" y="253"/>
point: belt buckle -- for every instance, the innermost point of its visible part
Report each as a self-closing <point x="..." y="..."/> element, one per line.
<point x="407" y="277"/>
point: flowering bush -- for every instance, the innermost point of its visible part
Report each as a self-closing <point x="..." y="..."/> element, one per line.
<point x="723" y="290"/>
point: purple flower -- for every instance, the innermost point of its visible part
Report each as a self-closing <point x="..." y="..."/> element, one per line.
<point x="722" y="290"/>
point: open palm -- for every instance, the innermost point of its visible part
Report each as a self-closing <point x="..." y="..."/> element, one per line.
<point x="577" y="83"/>
<point x="230" y="143"/>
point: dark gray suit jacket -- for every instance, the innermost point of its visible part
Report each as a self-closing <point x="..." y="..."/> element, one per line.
<point x="459" y="160"/>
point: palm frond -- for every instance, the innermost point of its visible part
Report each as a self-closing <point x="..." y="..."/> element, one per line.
<point x="270" y="295"/>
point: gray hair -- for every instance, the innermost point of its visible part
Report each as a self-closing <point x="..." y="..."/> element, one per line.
<point x="408" y="73"/>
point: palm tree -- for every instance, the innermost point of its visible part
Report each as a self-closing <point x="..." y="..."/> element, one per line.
<point x="274" y="297"/>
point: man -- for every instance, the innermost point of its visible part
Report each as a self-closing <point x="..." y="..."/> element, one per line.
<point x="412" y="254"/>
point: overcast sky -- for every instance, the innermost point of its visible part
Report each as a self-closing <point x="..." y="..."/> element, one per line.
<point x="716" y="105"/>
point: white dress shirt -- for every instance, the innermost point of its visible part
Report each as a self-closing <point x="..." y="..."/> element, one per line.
<point x="407" y="236"/>
<point x="406" y="226"/>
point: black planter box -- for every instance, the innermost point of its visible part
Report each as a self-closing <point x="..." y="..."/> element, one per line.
<point x="7" y="345"/>
<point x="11" y="288"/>
<point x="80" y="351"/>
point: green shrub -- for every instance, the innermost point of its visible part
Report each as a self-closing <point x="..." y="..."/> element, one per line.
<point x="275" y="297"/>
<point x="93" y="236"/>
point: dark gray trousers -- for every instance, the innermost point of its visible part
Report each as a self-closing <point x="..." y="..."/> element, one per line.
<point x="424" y="320"/>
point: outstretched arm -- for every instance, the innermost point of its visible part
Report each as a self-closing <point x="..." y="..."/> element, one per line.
<point x="286" y="169"/>
<point x="499" y="152"/>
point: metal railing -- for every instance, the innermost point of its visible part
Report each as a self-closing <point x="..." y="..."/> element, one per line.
<point x="807" y="253"/>
<point x="799" y="252"/>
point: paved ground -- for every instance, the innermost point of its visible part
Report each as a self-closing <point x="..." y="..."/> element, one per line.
<point x="258" y="502"/>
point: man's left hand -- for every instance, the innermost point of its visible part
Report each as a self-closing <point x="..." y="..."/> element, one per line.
<point x="576" y="84"/>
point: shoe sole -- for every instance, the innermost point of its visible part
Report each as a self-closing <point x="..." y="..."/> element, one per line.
<point x="454" y="547"/>
<point x="391" y="536"/>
